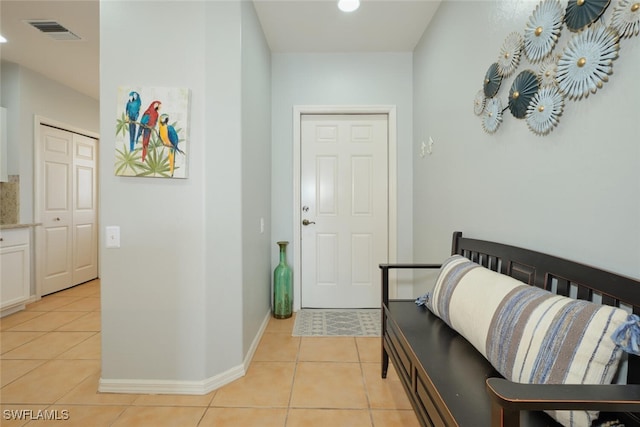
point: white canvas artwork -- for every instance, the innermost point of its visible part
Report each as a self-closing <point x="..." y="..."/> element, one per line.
<point x="152" y="138"/>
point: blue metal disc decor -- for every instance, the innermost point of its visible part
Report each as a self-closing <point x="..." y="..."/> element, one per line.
<point x="524" y="87"/>
<point x="581" y="13"/>
<point x="492" y="81"/>
<point x="626" y="18"/>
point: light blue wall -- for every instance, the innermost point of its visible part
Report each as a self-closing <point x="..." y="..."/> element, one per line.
<point x="339" y="79"/>
<point x="222" y="168"/>
<point x="256" y="174"/>
<point x="185" y="295"/>
<point x="153" y="311"/>
<point x="574" y="193"/>
<point x="26" y="94"/>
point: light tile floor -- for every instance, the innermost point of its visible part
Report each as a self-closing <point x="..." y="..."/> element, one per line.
<point x="50" y="360"/>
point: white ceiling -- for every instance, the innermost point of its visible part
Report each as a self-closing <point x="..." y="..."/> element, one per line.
<point x="289" y="26"/>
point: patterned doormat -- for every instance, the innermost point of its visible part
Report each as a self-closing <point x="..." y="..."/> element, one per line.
<point x="337" y="322"/>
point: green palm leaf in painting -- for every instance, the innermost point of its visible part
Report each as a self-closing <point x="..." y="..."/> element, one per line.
<point x="127" y="161"/>
<point x="122" y="126"/>
<point x="157" y="161"/>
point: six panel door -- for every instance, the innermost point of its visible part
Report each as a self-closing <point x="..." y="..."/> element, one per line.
<point x="344" y="185"/>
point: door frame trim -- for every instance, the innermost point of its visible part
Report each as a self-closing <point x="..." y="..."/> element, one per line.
<point x="392" y="224"/>
<point x="37" y="191"/>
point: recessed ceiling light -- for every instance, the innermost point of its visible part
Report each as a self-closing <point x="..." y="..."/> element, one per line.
<point x="2" y="39"/>
<point x="348" y="5"/>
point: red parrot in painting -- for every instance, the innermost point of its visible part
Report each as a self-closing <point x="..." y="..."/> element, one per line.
<point x="147" y="123"/>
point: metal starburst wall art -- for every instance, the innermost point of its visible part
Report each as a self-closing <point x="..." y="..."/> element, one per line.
<point x="492" y="116"/>
<point x="587" y="60"/>
<point x="479" y="102"/>
<point x="542" y="30"/>
<point x="524" y="86"/>
<point x="580" y="67"/>
<point x="582" y="13"/>
<point x="547" y="72"/>
<point x="510" y="54"/>
<point x="626" y="18"/>
<point x="492" y="81"/>
<point x="544" y="110"/>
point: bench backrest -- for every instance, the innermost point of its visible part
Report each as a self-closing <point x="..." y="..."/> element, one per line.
<point x="557" y="275"/>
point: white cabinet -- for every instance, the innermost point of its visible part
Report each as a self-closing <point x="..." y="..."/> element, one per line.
<point x="14" y="269"/>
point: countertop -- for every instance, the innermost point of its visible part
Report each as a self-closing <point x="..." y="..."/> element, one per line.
<point x="11" y="226"/>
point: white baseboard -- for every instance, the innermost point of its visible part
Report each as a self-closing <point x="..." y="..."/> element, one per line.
<point x="254" y="345"/>
<point x="10" y="310"/>
<point x="135" y="386"/>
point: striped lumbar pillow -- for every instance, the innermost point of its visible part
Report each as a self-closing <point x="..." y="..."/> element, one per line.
<point x="528" y="334"/>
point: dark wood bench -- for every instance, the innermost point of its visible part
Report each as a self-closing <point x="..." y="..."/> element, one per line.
<point x="450" y="383"/>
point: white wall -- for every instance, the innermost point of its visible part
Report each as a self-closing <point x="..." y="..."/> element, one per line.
<point x="573" y="193"/>
<point x="339" y="79"/>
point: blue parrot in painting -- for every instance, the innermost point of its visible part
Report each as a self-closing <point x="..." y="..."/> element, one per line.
<point x="170" y="139"/>
<point x="133" y="110"/>
<point x="147" y="123"/>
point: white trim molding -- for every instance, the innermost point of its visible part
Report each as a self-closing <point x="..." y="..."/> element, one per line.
<point x="390" y="111"/>
<point x="201" y="387"/>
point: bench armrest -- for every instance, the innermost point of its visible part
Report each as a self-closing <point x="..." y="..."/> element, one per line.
<point x="509" y="398"/>
<point x="385" y="275"/>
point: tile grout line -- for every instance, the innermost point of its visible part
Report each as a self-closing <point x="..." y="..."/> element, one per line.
<point x="293" y="379"/>
<point x="364" y="382"/>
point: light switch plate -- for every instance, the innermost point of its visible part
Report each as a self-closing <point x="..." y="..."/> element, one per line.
<point x="112" y="236"/>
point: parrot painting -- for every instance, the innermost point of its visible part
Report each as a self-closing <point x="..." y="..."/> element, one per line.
<point x="170" y="139"/>
<point x="147" y="124"/>
<point x="133" y="110"/>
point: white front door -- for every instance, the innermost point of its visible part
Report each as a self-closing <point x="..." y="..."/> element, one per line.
<point x="67" y="244"/>
<point x="344" y="198"/>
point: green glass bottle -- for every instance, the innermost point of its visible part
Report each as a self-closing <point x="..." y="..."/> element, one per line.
<point x="282" y="286"/>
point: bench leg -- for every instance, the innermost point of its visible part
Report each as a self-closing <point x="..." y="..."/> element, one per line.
<point x="385" y="361"/>
<point x="383" y="318"/>
<point x="502" y="417"/>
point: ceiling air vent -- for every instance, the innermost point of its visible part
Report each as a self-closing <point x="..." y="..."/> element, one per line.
<point x="53" y="30"/>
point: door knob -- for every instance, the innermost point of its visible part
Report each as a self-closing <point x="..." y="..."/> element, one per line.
<point x="307" y="222"/>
